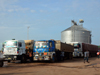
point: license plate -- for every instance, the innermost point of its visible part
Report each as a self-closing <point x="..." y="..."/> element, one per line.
<point x="9" y="58"/>
<point x="46" y="59"/>
<point x="40" y="59"/>
<point x="36" y="55"/>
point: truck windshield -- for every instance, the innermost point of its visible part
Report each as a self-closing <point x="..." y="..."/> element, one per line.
<point x="41" y="44"/>
<point x="76" y="45"/>
<point x="10" y="43"/>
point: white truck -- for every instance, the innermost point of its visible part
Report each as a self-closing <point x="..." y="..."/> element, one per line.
<point x="78" y="52"/>
<point x="14" y="50"/>
<point x="80" y="48"/>
<point x="1" y="59"/>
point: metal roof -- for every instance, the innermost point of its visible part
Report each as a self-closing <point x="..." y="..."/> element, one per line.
<point x="76" y="27"/>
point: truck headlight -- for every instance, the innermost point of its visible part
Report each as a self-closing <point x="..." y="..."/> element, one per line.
<point x="15" y="56"/>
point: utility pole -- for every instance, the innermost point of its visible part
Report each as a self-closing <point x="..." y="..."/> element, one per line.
<point x="88" y="39"/>
<point x="28" y="33"/>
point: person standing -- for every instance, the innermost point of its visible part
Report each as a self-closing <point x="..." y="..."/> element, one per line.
<point x="86" y="56"/>
<point x="30" y="56"/>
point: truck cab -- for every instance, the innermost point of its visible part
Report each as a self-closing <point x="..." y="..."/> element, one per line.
<point x="44" y="49"/>
<point x="77" y="49"/>
<point x="14" y="50"/>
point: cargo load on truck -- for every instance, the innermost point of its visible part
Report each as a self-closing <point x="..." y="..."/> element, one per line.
<point x="29" y="49"/>
<point x="63" y="46"/>
<point x="29" y="44"/>
<point x="93" y="49"/>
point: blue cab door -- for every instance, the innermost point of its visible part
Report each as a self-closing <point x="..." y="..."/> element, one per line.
<point x="52" y="46"/>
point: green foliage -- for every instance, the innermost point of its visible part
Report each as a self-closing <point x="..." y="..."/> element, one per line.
<point x="98" y="46"/>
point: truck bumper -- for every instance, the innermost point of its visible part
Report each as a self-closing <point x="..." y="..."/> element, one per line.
<point x="43" y="56"/>
<point x="77" y="54"/>
<point x="12" y="57"/>
<point x="38" y="58"/>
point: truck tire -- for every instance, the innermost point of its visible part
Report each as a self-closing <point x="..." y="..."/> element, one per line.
<point x="80" y="55"/>
<point x="31" y="59"/>
<point x="70" y="55"/>
<point x="1" y="63"/>
<point x="23" y="59"/>
<point x="62" y="58"/>
<point x="9" y="61"/>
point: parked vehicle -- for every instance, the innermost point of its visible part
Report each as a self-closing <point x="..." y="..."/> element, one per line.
<point x="1" y="59"/>
<point x="80" y="48"/>
<point x="93" y="49"/>
<point x="15" y="50"/>
<point x="52" y="50"/>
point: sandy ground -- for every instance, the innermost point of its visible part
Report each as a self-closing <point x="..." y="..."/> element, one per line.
<point x="68" y="67"/>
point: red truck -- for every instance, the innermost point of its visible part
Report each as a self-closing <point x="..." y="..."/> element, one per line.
<point x="93" y="49"/>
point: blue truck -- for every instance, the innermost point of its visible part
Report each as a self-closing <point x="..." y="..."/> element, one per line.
<point x="52" y="50"/>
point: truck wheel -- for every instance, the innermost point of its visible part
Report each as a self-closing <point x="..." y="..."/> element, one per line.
<point x="1" y="63"/>
<point x="9" y="61"/>
<point x="70" y="55"/>
<point x="31" y="59"/>
<point x="62" y="58"/>
<point x="23" y="59"/>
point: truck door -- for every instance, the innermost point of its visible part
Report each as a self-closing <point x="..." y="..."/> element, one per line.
<point x="21" y="48"/>
<point x="52" y="46"/>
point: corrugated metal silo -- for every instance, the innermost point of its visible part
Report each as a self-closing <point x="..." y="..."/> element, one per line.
<point x="76" y="33"/>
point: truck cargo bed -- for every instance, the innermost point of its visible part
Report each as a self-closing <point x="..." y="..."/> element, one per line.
<point x="63" y="46"/>
<point x="89" y="47"/>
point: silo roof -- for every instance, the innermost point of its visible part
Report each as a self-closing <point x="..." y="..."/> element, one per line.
<point x="76" y="27"/>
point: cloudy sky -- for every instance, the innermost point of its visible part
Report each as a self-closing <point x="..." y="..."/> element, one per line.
<point x="47" y="18"/>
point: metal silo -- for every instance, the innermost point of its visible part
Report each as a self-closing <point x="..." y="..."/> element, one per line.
<point x="76" y="33"/>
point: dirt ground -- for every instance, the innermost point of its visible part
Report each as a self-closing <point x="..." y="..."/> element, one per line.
<point x="68" y="67"/>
